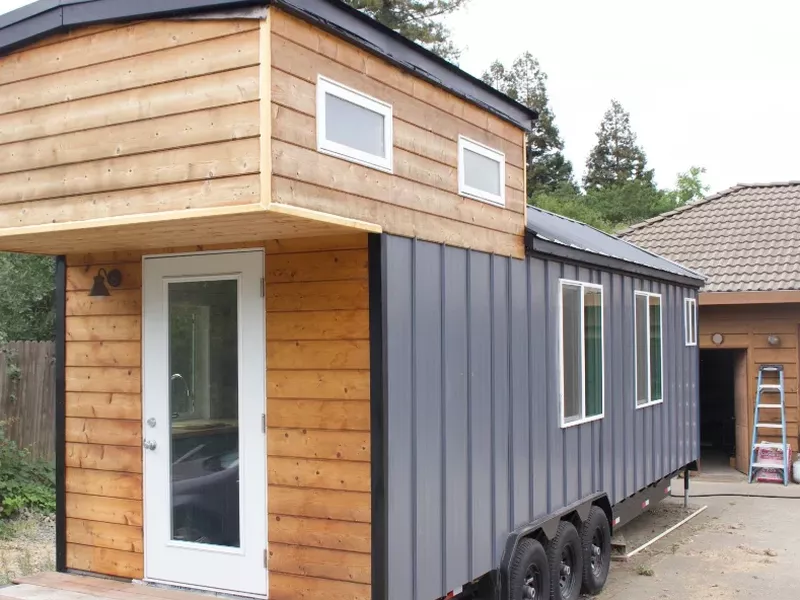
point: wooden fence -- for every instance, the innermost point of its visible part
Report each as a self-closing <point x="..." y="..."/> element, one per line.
<point x="27" y="395"/>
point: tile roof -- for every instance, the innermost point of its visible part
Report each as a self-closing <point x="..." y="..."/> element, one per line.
<point x="745" y="239"/>
<point x="569" y="233"/>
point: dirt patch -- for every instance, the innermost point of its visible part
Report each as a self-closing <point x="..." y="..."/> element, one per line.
<point x="651" y="523"/>
<point x="27" y="545"/>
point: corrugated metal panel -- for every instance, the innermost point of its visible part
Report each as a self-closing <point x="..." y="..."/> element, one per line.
<point x="474" y="444"/>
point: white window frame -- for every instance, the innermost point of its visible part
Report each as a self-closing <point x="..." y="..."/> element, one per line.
<point x="690" y="321"/>
<point x="328" y="86"/>
<point x="650" y="401"/>
<point x="465" y="143"/>
<point x="583" y="418"/>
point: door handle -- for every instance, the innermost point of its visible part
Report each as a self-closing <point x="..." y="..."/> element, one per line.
<point x="149" y="444"/>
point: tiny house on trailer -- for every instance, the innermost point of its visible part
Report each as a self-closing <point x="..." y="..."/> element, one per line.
<point x="311" y="342"/>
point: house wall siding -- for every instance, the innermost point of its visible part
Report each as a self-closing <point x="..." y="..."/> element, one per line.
<point x="318" y="445"/>
<point x="474" y="443"/>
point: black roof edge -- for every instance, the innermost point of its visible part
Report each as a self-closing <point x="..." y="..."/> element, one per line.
<point x="34" y="21"/>
<point x="548" y="249"/>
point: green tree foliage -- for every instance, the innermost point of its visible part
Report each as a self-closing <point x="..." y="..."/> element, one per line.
<point x="526" y="82"/>
<point x="418" y="20"/>
<point x="616" y="158"/>
<point x="24" y="481"/>
<point x="689" y="186"/>
<point x="27" y="297"/>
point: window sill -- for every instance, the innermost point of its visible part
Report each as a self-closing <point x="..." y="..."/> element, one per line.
<point x="380" y="164"/>
<point x="567" y="425"/>
<point x="653" y="403"/>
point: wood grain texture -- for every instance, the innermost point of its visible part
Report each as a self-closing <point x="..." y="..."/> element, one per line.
<point x="291" y="587"/>
<point x="105" y="510"/>
<point x="104" y="457"/>
<point x="318" y="354"/>
<point x="320" y="325"/>
<point x="106" y="561"/>
<point x="94" y="329"/>
<point x="335" y="415"/>
<point x="320" y="503"/>
<point x="112" y="432"/>
<point x="334" y="535"/>
<point x="104" y="483"/>
<point x="104" y="354"/>
<point x="319" y="562"/>
<point x="103" y="379"/>
<point x="319" y="474"/>
<point x="105" y="535"/>
<point x="103" y="405"/>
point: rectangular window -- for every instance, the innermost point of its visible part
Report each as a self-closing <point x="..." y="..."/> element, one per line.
<point x="353" y="126"/>
<point x="481" y="172"/>
<point x="690" y="321"/>
<point x="581" y="352"/>
<point x="649" y="353"/>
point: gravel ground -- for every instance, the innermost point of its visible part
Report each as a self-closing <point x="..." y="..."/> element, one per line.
<point x="27" y="545"/>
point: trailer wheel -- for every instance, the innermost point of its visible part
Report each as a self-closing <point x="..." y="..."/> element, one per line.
<point x="529" y="575"/>
<point x="596" y="542"/>
<point x="566" y="563"/>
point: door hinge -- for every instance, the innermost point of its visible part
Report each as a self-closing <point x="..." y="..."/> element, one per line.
<point x="266" y="558"/>
<point x="262" y="287"/>
<point x="263" y="423"/>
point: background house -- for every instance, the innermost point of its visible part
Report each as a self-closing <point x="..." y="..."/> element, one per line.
<point x="746" y="241"/>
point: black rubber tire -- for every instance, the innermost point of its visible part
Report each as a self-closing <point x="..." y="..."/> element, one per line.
<point x="596" y="543"/>
<point x="563" y="551"/>
<point x="529" y="574"/>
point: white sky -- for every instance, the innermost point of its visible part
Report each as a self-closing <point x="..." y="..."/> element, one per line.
<point x="708" y="82"/>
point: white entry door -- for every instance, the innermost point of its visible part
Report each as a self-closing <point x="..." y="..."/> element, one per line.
<point x="204" y="371"/>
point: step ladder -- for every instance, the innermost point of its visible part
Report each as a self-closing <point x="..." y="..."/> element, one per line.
<point x="769" y="388"/>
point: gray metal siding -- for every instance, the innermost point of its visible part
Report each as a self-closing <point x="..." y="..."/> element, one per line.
<point x="474" y="444"/>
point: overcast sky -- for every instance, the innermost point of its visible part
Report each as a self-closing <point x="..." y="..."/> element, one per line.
<point x="713" y="83"/>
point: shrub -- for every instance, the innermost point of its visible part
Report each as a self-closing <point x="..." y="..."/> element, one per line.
<point x="24" y="481"/>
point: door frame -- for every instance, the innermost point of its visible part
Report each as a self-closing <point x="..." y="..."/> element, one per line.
<point x="258" y="342"/>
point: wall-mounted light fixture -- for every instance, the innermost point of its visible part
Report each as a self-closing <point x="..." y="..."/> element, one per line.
<point x="112" y="277"/>
<point x="773" y="340"/>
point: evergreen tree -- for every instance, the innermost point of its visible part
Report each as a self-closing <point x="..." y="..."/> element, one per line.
<point x="525" y="82"/>
<point x="616" y="158"/>
<point x="418" y="20"/>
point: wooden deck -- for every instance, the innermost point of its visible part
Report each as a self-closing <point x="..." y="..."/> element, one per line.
<point x="61" y="586"/>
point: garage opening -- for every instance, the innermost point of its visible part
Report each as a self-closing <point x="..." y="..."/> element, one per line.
<point x="724" y="434"/>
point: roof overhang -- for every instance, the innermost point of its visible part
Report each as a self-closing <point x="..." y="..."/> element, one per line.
<point x="549" y="249"/>
<point x="47" y="17"/>
<point x="737" y="298"/>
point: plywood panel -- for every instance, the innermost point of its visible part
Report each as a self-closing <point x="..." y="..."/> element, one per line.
<point x="103" y="405"/>
<point x="104" y="457"/>
<point x="105" y="535"/>
<point x="105" y="510"/>
<point x="319" y="562"/>
<point x="322" y="504"/>
<point x="107" y="561"/>
<point x="319" y="474"/>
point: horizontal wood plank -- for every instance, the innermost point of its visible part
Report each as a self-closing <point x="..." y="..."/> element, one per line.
<point x="315" y="296"/>
<point x="104" y="457"/>
<point x="321" y="504"/>
<point x="104" y="431"/>
<point x="170" y="98"/>
<point x="120" y="303"/>
<point x="104" y="354"/>
<point x="318" y="325"/>
<point x="171" y="166"/>
<point x="335" y="535"/>
<point x="104" y="405"/>
<point x="319" y="414"/>
<point x="318" y="354"/>
<point x="292" y="587"/>
<point x="221" y="54"/>
<point x="336" y="565"/>
<point x="106" y="561"/>
<point x="316" y="244"/>
<point x="105" y="535"/>
<point x="334" y="385"/>
<point x="336" y="265"/>
<point x="82" y="278"/>
<point x="103" y="379"/>
<point x="104" y="483"/>
<point x="114" y="329"/>
<point x="106" y="510"/>
<point x="314" y="443"/>
<point x="319" y="474"/>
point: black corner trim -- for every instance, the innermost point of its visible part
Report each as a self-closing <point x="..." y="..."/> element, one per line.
<point x="378" y="415"/>
<point x="548" y="249"/>
<point x="60" y="412"/>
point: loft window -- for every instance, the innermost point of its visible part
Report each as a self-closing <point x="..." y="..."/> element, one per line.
<point x="582" y="358"/>
<point x="649" y="354"/>
<point x="353" y="126"/>
<point x="481" y="172"/>
<point x="690" y="321"/>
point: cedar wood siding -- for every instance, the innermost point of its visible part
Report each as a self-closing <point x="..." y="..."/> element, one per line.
<point x="474" y="443"/>
<point x="129" y="119"/>
<point x="317" y="417"/>
<point x="747" y="327"/>
<point x="420" y="199"/>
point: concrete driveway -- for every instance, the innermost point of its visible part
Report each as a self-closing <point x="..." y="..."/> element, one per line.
<point x="740" y="547"/>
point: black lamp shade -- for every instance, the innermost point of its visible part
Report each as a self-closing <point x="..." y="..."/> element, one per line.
<point x="99" y="287"/>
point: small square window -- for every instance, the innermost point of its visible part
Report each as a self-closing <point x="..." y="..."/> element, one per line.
<point x="481" y="172"/>
<point x="648" y="341"/>
<point x="581" y="338"/>
<point x="353" y="126"/>
<point x="690" y="321"/>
